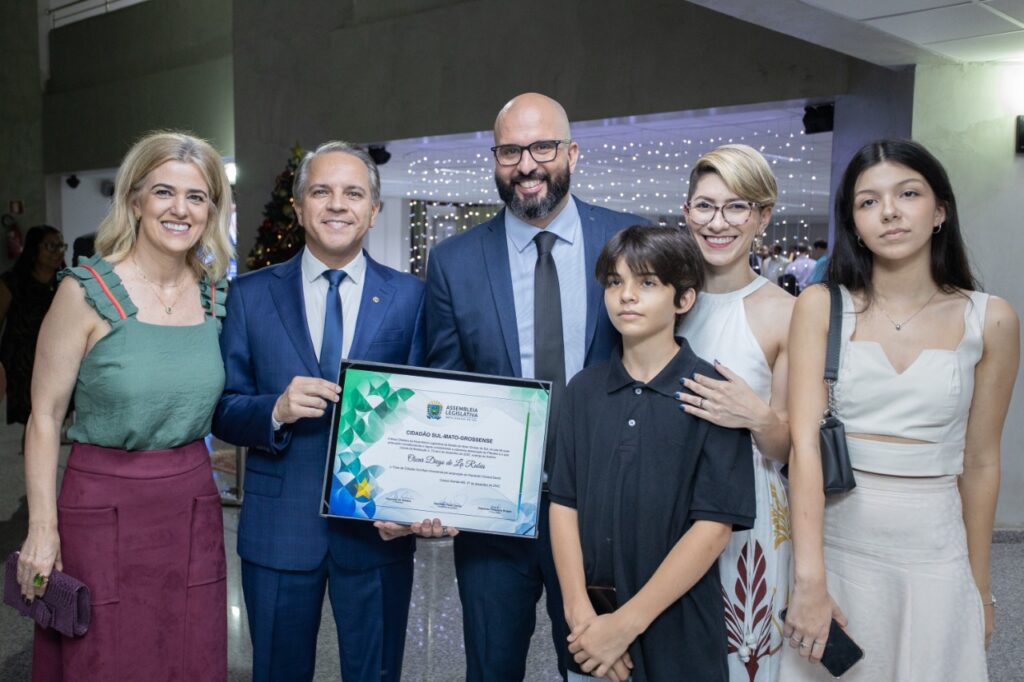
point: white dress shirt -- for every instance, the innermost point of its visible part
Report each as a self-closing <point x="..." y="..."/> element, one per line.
<point x="314" y="294"/>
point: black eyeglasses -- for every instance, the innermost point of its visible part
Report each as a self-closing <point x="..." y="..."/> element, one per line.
<point x="59" y="247"/>
<point x="542" y="151"/>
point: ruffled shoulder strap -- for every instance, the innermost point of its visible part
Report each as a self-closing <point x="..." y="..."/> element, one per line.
<point x="104" y="290"/>
<point x="214" y="296"/>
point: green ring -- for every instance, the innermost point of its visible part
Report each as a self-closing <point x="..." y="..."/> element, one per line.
<point x="39" y="580"/>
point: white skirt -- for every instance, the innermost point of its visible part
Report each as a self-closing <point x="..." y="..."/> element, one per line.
<point x="896" y="564"/>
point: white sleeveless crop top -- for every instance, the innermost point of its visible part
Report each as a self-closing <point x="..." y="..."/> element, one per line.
<point x="929" y="401"/>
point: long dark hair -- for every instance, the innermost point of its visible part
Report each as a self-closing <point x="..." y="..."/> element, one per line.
<point x="851" y="264"/>
<point x="26" y="262"/>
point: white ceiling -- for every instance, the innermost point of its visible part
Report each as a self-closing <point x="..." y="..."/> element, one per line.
<point x="62" y="12"/>
<point x="966" y="31"/>
<point x="639" y="164"/>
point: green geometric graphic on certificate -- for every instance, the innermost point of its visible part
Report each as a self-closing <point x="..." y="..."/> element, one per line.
<point x="367" y="405"/>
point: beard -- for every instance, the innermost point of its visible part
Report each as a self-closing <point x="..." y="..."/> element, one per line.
<point x="534" y="208"/>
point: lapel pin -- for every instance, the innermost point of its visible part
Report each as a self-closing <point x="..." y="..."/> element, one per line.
<point x="376" y="299"/>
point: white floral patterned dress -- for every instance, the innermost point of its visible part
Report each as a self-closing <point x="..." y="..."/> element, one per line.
<point x="755" y="567"/>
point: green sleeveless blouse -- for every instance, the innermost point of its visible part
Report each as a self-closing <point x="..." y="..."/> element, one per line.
<point x="145" y="386"/>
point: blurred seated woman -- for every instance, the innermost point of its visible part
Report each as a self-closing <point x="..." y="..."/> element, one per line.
<point x="133" y="331"/>
<point x="927" y="366"/>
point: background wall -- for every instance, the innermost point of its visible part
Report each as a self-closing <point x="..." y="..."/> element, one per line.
<point x="21" y="130"/>
<point x="965" y="116"/>
<point x="158" y="64"/>
<point x="388" y="240"/>
<point x="84" y="207"/>
<point x="372" y="70"/>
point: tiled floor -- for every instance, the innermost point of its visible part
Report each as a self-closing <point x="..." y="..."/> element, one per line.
<point x="434" y="645"/>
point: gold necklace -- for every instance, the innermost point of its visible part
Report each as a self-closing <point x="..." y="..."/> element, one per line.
<point x="168" y="308"/>
<point x="900" y="325"/>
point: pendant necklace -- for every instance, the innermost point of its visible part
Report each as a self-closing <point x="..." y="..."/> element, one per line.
<point x="168" y="308"/>
<point x="900" y="325"/>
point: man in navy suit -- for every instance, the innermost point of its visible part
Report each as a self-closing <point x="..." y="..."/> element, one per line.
<point x="505" y="298"/>
<point x="287" y="328"/>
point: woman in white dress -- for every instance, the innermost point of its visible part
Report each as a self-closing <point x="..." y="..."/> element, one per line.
<point x="927" y="367"/>
<point x="741" y="323"/>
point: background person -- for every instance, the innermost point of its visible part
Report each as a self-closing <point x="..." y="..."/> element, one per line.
<point x="133" y="331"/>
<point x="773" y="267"/>
<point x="26" y="292"/>
<point x="512" y="297"/>
<point x="801" y="268"/>
<point x="927" y="367"/>
<point x="820" y="256"/>
<point x="742" y="320"/>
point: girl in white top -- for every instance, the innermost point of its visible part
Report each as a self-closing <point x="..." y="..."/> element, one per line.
<point x="926" y="371"/>
<point x="741" y="323"/>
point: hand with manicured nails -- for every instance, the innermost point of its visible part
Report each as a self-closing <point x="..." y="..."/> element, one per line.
<point x="731" y="404"/>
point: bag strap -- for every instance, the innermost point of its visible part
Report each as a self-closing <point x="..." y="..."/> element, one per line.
<point x="834" y="343"/>
<point x="835" y="330"/>
<point x="106" y="290"/>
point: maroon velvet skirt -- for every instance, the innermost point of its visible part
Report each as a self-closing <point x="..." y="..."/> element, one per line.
<point x="144" y="531"/>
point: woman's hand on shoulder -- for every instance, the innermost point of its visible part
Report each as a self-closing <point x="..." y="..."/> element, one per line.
<point x="731" y="403"/>
<point x="40" y="554"/>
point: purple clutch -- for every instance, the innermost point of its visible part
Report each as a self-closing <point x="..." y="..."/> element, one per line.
<point x="64" y="606"/>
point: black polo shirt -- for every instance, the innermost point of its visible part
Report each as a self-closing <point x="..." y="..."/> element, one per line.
<point x="639" y="471"/>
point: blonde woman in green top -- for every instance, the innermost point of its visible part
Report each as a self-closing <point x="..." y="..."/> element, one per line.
<point x="133" y="331"/>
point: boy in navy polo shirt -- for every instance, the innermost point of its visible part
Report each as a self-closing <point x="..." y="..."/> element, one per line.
<point x="644" y="496"/>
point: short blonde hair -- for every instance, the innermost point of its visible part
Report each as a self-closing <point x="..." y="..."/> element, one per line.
<point x="742" y="169"/>
<point x="118" y="231"/>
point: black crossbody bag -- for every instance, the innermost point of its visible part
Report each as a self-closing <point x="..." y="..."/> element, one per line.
<point x="836" y="472"/>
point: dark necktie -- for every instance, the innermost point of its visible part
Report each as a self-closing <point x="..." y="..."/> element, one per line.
<point x="330" y="347"/>
<point x="548" y="345"/>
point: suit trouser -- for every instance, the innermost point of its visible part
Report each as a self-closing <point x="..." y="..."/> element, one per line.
<point x="500" y="580"/>
<point x="371" y="609"/>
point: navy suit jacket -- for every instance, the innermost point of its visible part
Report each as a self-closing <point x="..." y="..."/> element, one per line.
<point x="471" y="314"/>
<point x="265" y="343"/>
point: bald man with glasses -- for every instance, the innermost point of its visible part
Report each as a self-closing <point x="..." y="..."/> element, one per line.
<point x="516" y="296"/>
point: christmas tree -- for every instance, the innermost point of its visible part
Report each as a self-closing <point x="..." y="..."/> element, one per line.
<point x="280" y="237"/>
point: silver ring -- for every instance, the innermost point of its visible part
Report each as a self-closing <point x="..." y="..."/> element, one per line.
<point x="817" y="643"/>
<point x="700" y="405"/>
<point x="804" y="645"/>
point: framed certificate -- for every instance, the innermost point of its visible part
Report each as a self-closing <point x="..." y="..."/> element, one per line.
<point x="409" y="444"/>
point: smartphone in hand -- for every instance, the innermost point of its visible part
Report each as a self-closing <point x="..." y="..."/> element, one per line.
<point x="841" y="652"/>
